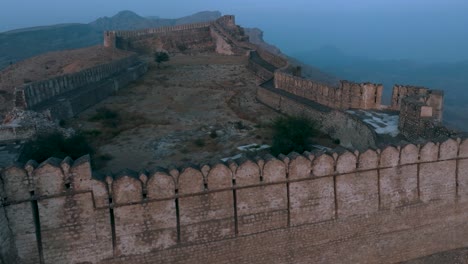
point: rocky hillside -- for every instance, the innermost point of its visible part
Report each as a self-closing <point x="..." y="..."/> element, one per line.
<point x="17" y="45"/>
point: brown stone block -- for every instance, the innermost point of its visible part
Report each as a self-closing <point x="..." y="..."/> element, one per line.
<point x="312" y="201"/>
<point x="145" y="227"/>
<point x="197" y="212"/>
<point x="262" y="208"/>
<point x="346" y="163"/>
<point x="323" y="165"/>
<point x="398" y="186"/>
<point x="437" y="180"/>
<point x="357" y="193"/>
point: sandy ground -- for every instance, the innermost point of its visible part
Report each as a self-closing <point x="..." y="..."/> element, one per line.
<point x="194" y="109"/>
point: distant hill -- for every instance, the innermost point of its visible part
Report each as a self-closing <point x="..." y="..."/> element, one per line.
<point x="20" y="44"/>
<point x="450" y="77"/>
<point x="128" y="20"/>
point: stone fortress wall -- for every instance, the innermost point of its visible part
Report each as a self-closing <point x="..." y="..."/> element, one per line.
<point x="347" y="96"/>
<point x="420" y="109"/>
<point x="374" y="206"/>
<point x="378" y="206"/>
<point x="65" y="96"/>
<point x="32" y="94"/>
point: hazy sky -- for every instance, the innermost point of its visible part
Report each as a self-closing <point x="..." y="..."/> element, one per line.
<point x="387" y="29"/>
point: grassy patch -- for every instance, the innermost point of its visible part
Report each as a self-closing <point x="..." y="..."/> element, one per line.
<point x="112" y="123"/>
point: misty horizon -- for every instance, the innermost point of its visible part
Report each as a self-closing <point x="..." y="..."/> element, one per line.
<point x="425" y="31"/>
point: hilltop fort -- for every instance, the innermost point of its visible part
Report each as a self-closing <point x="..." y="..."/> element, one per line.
<point x="363" y="203"/>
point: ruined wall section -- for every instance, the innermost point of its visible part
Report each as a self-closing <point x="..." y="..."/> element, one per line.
<point x="221" y="36"/>
<point x="35" y="93"/>
<point x="433" y="98"/>
<point x="152" y="31"/>
<point x="348" y="95"/>
<point x="166" y="215"/>
<point x="350" y="130"/>
<point x="418" y="119"/>
<point x="194" y="40"/>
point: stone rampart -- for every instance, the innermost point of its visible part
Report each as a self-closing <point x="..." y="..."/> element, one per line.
<point x="434" y="98"/>
<point x="73" y="102"/>
<point x="348" y="95"/>
<point x="275" y="60"/>
<point x="420" y="119"/>
<point x="8" y="252"/>
<point x="333" y="207"/>
<point x="153" y="31"/>
<point x="35" y="93"/>
<point x="350" y="130"/>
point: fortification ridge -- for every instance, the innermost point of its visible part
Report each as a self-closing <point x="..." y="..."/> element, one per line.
<point x="135" y="215"/>
<point x="58" y="177"/>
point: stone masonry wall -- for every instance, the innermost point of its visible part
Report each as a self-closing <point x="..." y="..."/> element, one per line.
<point x="73" y="102"/>
<point x="192" y="40"/>
<point x="375" y="206"/>
<point x="8" y="252"/>
<point x="347" y="95"/>
<point x="351" y="131"/>
<point x="418" y="119"/>
<point x="433" y="98"/>
<point x="35" y="93"/>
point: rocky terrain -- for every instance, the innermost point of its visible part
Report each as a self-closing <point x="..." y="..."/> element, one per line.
<point x="194" y="109"/>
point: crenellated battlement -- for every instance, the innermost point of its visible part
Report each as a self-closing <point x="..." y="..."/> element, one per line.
<point x="134" y="213"/>
<point x="60" y="177"/>
<point x="348" y="95"/>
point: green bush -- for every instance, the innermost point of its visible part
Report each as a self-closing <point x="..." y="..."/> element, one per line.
<point x="160" y="57"/>
<point x="292" y="133"/>
<point x="56" y="145"/>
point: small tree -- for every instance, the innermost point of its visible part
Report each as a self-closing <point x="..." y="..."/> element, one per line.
<point x="160" y="57"/>
<point x="291" y="133"/>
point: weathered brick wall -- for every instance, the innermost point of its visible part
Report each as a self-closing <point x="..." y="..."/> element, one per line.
<point x="420" y="117"/>
<point x="347" y="95"/>
<point x="35" y="93"/>
<point x="57" y="212"/>
<point x="350" y="130"/>
<point x="402" y="91"/>
<point x="8" y="252"/>
<point x="376" y="206"/>
<point x="70" y="104"/>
